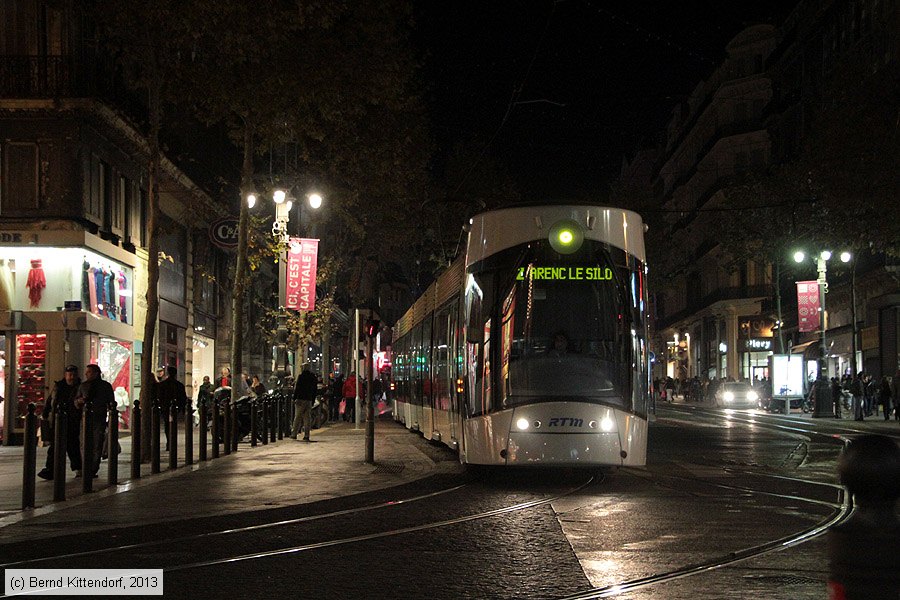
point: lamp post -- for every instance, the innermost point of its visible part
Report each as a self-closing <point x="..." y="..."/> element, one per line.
<point x="283" y="207"/>
<point x="824" y="406"/>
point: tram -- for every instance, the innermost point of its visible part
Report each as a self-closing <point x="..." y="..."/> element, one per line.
<point x="532" y="347"/>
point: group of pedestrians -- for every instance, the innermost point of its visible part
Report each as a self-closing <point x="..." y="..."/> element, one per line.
<point x="72" y="395"/>
<point x="869" y="395"/>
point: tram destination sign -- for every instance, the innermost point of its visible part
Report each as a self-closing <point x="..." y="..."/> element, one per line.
<point x="564" y="273"/>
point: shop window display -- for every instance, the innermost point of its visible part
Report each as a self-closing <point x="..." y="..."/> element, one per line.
<point x="31" y="361"/>
<point x="114" y="359"/>
<point x="44" y="279"/>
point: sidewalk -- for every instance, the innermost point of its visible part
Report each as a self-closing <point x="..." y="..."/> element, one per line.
<point x="284" y="473"/>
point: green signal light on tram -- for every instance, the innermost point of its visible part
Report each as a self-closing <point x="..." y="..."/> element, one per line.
<point x="566" y="236"/>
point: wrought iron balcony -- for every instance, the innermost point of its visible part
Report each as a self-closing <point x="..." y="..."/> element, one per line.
<point x="43" y="77"/>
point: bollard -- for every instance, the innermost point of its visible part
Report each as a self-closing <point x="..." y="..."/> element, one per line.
<point x="173" y="436"/>
<point x="136" y="440"/>
<point x="265" y="421"/>
<point x="226" y="439"/>
<point x="59" y="452"/>
<point x="188" y="435"/>
<point x="215" y="429"/>
<point x="154" y="437"/>
<point x="280" y="418"/>
<point x="273" y="419"/>
<point x="87" y="448"/>
<point x="253" y="424"/>
<point x="235" y="430"/>
<point x="204" y="426"/>
<point x="112" y="447"/>
<point x="28" y="471"/>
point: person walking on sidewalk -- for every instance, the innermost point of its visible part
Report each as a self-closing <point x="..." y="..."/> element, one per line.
<point x="884" y="397"/>
<point x="895" y="394"/>
<point x="171" y="391"/>
<point x="334" y="402"/>
<point x="858" y="391"/>
<point x="349" y="393"/>
<point x="63" y="397"/>
<point x="97" y="393"/>
<point x="304" y="395"/>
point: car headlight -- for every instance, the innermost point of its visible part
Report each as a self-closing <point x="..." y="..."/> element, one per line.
<point x="753" y="396"/>
<point x="729" y="396"/>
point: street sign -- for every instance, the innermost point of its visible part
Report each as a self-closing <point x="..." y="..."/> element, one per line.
<point x="224" y="233"/>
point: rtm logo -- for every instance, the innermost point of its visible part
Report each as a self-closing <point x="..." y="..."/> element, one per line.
<point x="563" y="421"/>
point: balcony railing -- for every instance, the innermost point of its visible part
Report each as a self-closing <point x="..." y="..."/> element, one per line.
<point x="43" y="77"/>
<point x="744" y="292"/>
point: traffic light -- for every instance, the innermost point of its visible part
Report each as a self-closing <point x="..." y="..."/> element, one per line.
<point x="372" y="326"/>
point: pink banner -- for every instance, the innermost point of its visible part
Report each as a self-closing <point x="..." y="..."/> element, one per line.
<point x="301" y="274"/>
<point x="808" y="306"/>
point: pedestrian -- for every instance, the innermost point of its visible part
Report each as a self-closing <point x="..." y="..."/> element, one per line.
<point x="884" y="397"/>
<point x="334" y="402"/>
<point x="864" y="551"/>
<point x="62" y="397"/>
<point x="97" y="394"/>
<point x="836" y="394"/>
<point x="348" y="391"/>
<point x="257" y="389"/>
<point x="895" y="393"/>
<point x="225" y="377"/>
<point x="205" y="392"/>
<point x="171" y="392"/>
<point x="858" y="391"/>
<point x="304" y="395"/>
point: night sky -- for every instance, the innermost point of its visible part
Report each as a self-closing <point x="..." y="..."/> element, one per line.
<point x="618" y="67"/>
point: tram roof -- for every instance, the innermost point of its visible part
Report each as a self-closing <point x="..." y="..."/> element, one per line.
<point x="497" y="230"/>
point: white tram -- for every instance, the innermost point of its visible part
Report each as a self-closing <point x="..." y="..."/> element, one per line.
<point x="531" y="349"/>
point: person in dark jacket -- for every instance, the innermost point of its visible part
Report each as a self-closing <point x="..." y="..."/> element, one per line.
<point x="170" y="391"/>
<point x="96" y="393"/>
<point x="864" y="551"/>
<point x="304" y="395"/>
<point x="334" y="402"/>
<point x="63" y="397"/>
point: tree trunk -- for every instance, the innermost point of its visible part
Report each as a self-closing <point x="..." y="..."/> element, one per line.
<point x="148" y="381"/>
<point x="240" y="270"/>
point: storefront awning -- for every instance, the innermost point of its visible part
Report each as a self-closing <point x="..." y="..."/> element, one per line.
<point x="811" y="348"/>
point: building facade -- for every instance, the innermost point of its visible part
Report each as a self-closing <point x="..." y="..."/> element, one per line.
<point x="73" y="227"/>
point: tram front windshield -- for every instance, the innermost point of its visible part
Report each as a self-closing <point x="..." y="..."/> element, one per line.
<point x="569" y="325"/>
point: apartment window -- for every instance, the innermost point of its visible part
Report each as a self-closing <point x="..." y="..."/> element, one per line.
<point x="95" y="206"/>
<point x="115" y="203"/>
<point x="20" y="170"/>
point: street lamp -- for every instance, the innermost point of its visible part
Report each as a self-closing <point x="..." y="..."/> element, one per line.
<point x="824" y="406"/>
<point x="283" y="207"/>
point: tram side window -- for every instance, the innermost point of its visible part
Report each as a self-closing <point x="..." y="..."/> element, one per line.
<point x="425" y="364"/>
<point x="415" y="356"/>
<point x="441" y="357"/>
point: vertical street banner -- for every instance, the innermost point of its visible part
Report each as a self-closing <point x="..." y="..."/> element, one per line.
<point x="300" y="288"/>
<point x="808" y="306"/>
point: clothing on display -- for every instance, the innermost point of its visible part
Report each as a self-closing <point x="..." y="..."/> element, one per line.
<point x="104" y="289"/>
<point x="31" y="351"/>
<point x="6" y="285"/>
<point x="36" y="283"/>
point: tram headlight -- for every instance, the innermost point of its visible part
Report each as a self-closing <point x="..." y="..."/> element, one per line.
<point x="729" y="396"/>
<point x="566" y="236"/>
<point x="752" y="396"/>
<point x="522" y="424"/>
<point x="607" y="424"/>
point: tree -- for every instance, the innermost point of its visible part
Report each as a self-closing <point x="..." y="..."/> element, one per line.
<point x="331" y="78"/>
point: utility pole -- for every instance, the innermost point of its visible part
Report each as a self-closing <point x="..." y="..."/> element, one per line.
<point x="372" y="326"/>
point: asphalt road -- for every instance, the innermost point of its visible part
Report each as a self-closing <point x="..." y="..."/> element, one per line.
<point x="716" y="483"/>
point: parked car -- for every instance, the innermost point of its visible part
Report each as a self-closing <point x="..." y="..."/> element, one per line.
<point x="736" y="395"/>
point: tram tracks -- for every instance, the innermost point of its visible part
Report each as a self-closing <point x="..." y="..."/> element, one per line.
<point x="840" y="510"/>
<point x="153" y="550"/>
